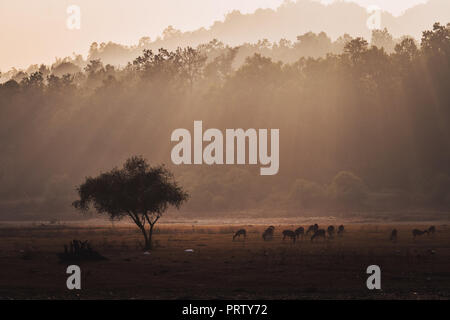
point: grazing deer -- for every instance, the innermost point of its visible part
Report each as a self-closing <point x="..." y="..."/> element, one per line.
<point x="240" y="233"/>
<point x="393" y="237"/>
<point x="300" y="231"/>
<point x="290" y="234"/>
<point x="320" y="233"/>
<point x="417" y="232"/>
<point x="268" y="233"/>
<point x="313" y="228"/>
<point x="431" y="230"/>
<point x="330" y="231"/>
<point x="340" y="230"/>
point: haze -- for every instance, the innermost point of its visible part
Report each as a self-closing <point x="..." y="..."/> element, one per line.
<point x="35" y="31"/>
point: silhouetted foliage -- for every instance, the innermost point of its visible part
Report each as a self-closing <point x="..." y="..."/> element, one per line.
<point x="78" y="251"/>
<point x="137" y="191"/>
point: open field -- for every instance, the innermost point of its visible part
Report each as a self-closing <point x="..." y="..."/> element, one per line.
<point x="220" y="268"/>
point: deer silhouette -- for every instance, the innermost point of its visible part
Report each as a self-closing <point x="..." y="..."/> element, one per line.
<point x="393" y="236"/>
<point x="290" y="234"/>
<point x="312" y="228"/>
<point x="300" y="231"/>
<point x="330" y="231"/>
<point x="417" y="232"/>
<point x="340" y="231"/>
<point x="431" y="230"/>
<point x="268" y="233"/>
<point x="320" y="233"/>
<point x="240" y="233"/>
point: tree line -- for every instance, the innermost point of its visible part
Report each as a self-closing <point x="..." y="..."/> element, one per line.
<point x="363" y="128"/>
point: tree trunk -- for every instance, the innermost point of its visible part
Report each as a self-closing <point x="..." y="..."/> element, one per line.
<point x="150" y="233"/>
<point x="147" y="243"/>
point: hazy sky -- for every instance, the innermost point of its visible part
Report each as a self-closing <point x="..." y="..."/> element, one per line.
<point x="36" y="32"/>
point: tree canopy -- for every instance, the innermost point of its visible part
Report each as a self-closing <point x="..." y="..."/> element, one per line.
<point x="139" y="191"/>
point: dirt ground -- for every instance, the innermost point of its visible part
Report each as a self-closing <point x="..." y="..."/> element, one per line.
<point x="219" y="268"/>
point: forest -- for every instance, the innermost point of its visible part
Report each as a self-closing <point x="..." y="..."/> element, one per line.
<point x="364" y="126"/>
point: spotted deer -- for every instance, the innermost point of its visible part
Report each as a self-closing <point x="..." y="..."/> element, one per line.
<point x="268" y="233"/>
<point x="312" y="228"/>
<point x="240" y="233"/>
<point x="300" y="231"/>
<point x="431" y="230"/>
<point x="290" y="234"/>
<point x="330" y="231"/>
<point x="393" y="236"/>
<point x="417" y="232"/>
<point x="320" y="233"/>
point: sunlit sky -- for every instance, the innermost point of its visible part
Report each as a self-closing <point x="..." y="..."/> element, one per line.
<point x="36" y="32"/>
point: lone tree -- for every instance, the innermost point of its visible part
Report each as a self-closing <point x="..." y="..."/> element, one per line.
<point x="138" y="191"/>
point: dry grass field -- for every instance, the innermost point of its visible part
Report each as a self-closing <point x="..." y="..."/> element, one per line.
<point x="219" y="268"/>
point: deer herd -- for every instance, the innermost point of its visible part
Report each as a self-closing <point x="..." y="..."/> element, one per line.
<point x="317" y="233"/>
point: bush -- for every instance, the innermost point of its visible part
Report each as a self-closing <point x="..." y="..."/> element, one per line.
<point x="347" y="190"/>
<point x="307" y="194"/>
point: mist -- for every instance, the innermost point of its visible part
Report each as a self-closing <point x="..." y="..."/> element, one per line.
<point x="35" y="33"/>
<point x="377" y="141"/>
